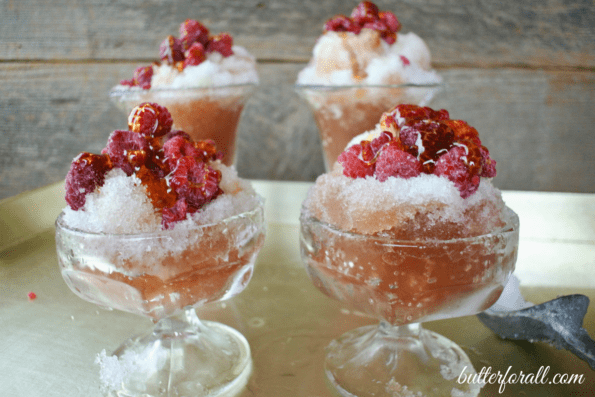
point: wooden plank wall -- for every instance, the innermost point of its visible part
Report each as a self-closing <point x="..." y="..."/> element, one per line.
<point x="522" y="72"/>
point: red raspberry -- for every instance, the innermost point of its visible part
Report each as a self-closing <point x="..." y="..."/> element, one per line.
<point x="394" y="162"/>
<point x="142" y="77"/>
<point x="175" y="133"/>
<point x="420" y="113"/>
<point x="86" y="173"/>
<point x="488" y="165"/>
<point x="379" y="142"/>
<point x="176" y="213"/>
<point x="390" y="20"/>
<point x="170" y="50"/>
<point x="405" y="60"/>
<point x="129" y="83"/>
<point x="176" y="148"/>
<point x="195" y="181"/>
<point x="221" y="43"/>
<point x="463" y="130"/>
<point x="364" y="12"/>
<point x="150" y="119"/>
<point x="192" y="31"/>
<point x="127" y="150"/>
<point x="353" y="165"/>
<point x="389" y="37"/>
<point x="426" y="140"/>
<point x="341" y="23"/>
<point x="453" y="165"/>
<point x="195" y="55"/>
<point x="207" y="150"/>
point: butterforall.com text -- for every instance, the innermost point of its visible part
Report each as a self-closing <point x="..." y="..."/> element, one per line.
<point x="487" y="376"/>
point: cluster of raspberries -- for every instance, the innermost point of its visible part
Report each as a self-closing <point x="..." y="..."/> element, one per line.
<point x="417" y="140"/>
<point x="366" y="15"/>
<point x="174" y="169"/>
<point x="190" y="49"/>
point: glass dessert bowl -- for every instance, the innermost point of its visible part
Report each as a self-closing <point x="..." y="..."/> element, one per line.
<point x="404" y="283"/>
<point x="202" y="78"/>
<point x="156" y="225"/>
<point x="408" y="228"/>
<point x="202" y="112"/>
<point x="341" y="110"/>
<point x="360" y="63"/>
<point x="164" y="276"/>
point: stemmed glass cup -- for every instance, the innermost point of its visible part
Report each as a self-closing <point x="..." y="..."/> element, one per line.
<point x="404" y="283"/>
<point x="164" y="276"/>
<point x="202" y="112"/>
<point x="342" y="112"/>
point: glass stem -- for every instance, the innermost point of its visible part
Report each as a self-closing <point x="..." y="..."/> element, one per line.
<point x="412" y="330"/>
<point x="186" y="321"/>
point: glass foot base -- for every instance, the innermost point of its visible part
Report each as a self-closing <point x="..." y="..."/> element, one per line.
<point x="405" y="361"/>
<point x="179" y="358"/>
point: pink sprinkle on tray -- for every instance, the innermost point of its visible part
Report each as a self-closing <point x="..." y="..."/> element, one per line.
<point x="31" y="296"/>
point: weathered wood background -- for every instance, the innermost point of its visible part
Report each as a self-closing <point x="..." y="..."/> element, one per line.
<point x="522" y="72"/>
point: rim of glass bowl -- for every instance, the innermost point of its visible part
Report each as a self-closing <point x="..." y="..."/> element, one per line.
<point x="160" y="233"/>
<point x="511" y="226"/>
<point x="328" y="87"/>
<point x="117" y="92"/>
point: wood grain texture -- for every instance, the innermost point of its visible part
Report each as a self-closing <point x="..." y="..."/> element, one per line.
<point x="522" y="72"/>
<point x="537" y="124"/>
<point x="551" y="33"/>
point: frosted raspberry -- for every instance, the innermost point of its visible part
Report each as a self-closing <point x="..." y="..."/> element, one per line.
<point x="176" y="148"/>
<point x="175" y="133"/>
<point x="127" y="150"/>
<point x="341" y="23"/>
<point x="192" y="31"/>
<point x="195" y="181"/>
<point x="463" y="130"/>
<point x="453" y="165"/>
<point x="364" y="12"/>
<point x="390" y="20"/>
<point x="86" y="173"/>
<point x="488" y="165"/>
<point x="221" y="43"/>
<point x="150" y="119"/>
<point x="195" y="55"/>
<point x="142" y="77"/>
<point x="129" y="83"/>
<point x="379" y="142"/>
<point x="176" y="213"/>
<point x="394" y="162"/>
<point x="207" y="150"/>
<point x="426" y="140"/>
<point x="420" y="113"/>
<point x="353" y="165"/>
<point x="389" y="37"/>
<point x="170" y="50"/>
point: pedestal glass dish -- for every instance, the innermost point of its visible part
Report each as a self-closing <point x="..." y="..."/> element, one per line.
<point x="202" y="112"/>
<point x="404" y="283"/>
<point x="342" y="112"/>
<point x="163" y="276"/>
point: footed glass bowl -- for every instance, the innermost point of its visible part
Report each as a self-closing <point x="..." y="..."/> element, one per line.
<point x="342" y="112"/>
<point x="163" y="276"/>
<point x="403" y="283"/>
<point x="202" y="112"/>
